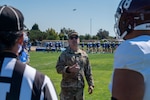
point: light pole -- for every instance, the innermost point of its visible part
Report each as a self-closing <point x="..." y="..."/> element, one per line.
<point x="91" y="26"/>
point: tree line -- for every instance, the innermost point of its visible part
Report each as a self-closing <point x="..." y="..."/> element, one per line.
<point x="35" y="34"/>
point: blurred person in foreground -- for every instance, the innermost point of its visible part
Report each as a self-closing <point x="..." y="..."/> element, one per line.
<point x="73" y="64"/>
<point x="131" y="74"/>
<point x="18" y="81"/>
<point x="24" y="56"/>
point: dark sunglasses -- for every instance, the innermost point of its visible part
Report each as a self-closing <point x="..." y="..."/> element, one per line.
<point x="73" y="37"/>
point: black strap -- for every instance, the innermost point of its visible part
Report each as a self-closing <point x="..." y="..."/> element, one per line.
<point x="37" y="84"/>
<point x="5" y="79"/>
<point x="16" y="81"/>
<point x="112" y="98"/>
<point x="1" y="62"/>
<point x="47" y="93"/>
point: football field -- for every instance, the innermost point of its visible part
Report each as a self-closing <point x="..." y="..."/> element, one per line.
<point x="101" y="68"/>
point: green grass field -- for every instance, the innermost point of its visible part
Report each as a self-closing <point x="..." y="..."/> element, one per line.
<point x="101" y="69"/>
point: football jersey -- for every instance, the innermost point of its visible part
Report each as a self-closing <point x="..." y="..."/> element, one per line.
<point x="134" y="54"/>
<point x="19" y="81"/>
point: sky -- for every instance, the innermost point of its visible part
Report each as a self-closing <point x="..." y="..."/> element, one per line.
<point x="83" y="16"/>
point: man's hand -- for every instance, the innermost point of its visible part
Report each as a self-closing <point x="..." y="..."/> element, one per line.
<point x="74" y="69"/>
<point x="90" y="89"/>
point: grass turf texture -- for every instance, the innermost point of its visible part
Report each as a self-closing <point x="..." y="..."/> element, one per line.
<point x="101" y="69"/>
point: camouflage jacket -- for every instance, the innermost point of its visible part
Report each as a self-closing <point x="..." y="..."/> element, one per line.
<point x="69" y="58"/>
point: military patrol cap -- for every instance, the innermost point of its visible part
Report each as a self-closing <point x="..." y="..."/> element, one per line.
<point x="72" y="33"/>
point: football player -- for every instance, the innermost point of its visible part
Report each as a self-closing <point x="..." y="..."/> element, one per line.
<point x="131" y="74"/>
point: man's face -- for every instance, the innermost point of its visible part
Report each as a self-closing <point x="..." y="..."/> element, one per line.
<point x="73" y="40"/>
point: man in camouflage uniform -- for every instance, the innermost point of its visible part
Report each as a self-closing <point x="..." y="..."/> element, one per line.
<point x="74" y="64"/>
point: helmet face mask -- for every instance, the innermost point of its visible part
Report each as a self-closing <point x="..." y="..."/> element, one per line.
<point x="116" y="28"/>
<point x="132" y="15"/>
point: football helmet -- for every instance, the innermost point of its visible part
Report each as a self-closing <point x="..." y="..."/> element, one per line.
<point x="132" y="15"/>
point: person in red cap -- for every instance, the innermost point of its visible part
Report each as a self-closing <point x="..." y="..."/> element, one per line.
<point x="19" y="81"/>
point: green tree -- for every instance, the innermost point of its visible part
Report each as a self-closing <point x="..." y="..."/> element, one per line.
<point x="87" y="36"/>
<point x="52" y="34"/>
<point x="82" y="37"/>
<point x="36" y="35"/>
<point x="64" y="33"/>
<point x="103" y="34"/>
<point x="35" y="27"/>
<point x="95" y="37"/>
